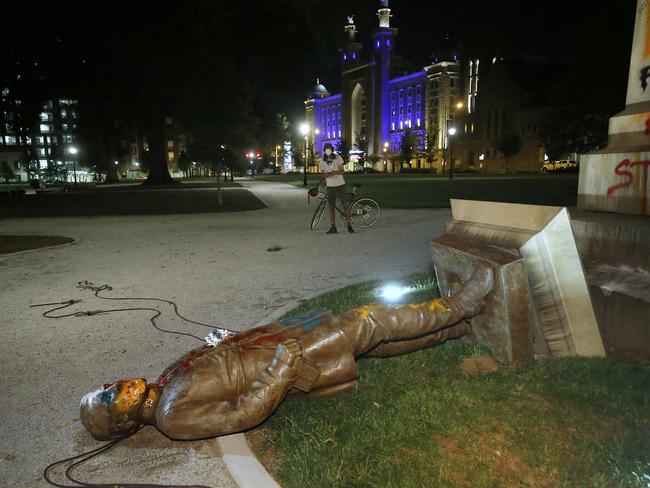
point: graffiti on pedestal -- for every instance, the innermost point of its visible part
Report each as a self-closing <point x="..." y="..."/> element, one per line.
<point x="623" y="169"/>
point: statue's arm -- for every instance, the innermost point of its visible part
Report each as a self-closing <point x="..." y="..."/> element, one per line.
<point x="201" y="419"/>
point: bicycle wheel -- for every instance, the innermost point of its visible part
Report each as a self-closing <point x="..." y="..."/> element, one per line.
<point x="318" y="215"/>
<point x="365" y="212"/>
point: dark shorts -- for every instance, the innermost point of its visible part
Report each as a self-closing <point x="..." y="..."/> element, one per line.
<point x="337" y="191"/>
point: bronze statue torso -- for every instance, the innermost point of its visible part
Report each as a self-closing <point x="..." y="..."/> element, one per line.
<point x="223" y="372"/>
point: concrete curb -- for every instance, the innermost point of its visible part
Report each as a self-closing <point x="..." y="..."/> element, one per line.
<point x="75" y="241"/>
<point x="244" y="467"/>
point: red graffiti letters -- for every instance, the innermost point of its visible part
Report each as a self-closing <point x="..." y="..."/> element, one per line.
<point x="623" y="169"/>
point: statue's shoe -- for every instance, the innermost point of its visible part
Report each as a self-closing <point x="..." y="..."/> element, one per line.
<point x="476" y="289"/>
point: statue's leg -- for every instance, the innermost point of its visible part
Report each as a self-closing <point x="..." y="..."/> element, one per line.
<point x="367" y="327"/>
<point x="405" y="346"/>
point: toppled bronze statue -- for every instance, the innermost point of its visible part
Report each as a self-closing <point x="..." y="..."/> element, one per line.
<point x="236" y="384"/>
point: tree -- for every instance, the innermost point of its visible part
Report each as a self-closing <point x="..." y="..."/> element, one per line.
<point x="361" y="143"/>
<point x="509" y="145"/>
<point x="184" y="162"/>
<point x="431" y="151"/>
<point x="343" y="148"/>
<point x="6" y="171"/>
<point x="407" y="147"/>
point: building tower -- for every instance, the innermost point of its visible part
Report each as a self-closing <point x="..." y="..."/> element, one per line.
<point x="382" y="44"/>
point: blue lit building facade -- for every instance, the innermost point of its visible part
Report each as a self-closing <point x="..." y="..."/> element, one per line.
<point x="375" y="109"/>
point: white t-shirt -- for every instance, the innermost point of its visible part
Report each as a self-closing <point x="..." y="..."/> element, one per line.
<point x="331" y="165"/>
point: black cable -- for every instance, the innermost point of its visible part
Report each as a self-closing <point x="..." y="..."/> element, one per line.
<point x="86" y="285"/>
<point x="91" y="454"/>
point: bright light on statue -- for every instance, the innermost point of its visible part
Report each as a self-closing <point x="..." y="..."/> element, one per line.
<point x="304" y="128"/>
<point x="392" y="293"/>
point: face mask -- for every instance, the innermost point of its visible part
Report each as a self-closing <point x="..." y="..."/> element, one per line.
<point x="328" y="152"/>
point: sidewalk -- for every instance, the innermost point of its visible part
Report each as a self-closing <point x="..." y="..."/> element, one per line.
<point x="215" y="266"/>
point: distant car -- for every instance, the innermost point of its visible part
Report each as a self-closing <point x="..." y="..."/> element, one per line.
<point x="560" y="165"/>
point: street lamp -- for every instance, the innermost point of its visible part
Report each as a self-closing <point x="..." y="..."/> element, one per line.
<point x="452" y="133"/>
<point x="385" y="162"/>
<point x="251" y="155"/>
<point x="73" y="150"/>
<point x="304" y="130"/>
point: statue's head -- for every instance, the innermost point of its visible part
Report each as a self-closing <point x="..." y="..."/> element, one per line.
<point x="114" y="411"/>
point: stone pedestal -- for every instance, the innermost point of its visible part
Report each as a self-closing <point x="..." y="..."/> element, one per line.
<point x="504" y="326"/>
<point x="615" y="245"/>
<point x="615" y="250"/>
<point x="540" y="242"/>
<point x="616" y="178"/>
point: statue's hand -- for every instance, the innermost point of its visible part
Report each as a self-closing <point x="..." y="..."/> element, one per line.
<point x="288" y="352"/>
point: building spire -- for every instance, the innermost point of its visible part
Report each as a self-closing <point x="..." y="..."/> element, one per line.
<point x="384" y="15"/>
<point x="350" y="28"/>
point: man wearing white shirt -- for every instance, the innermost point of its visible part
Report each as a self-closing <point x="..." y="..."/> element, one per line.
<point x="332" y="169"/>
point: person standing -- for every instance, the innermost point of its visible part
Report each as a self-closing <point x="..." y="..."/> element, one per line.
<point x="332" y="169"/>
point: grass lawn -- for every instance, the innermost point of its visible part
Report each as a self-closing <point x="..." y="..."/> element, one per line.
<point x="11" y="244"/>
<point x="130" y="200"/>
<point x="423" y="191"/>
<point x="417" y="421"/>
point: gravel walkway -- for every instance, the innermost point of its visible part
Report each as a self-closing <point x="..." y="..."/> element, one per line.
<point x="215" y="266"/>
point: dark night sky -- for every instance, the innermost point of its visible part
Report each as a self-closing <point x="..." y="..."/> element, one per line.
<point x="283" y="45"/>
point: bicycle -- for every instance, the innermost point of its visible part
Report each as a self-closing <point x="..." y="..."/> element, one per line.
<point x="364" y="212"/>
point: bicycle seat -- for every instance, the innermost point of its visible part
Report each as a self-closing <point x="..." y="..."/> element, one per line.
<point x="357" y="185"/>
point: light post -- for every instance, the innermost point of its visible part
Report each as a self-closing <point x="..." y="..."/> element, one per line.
<point x="304" y="130"/>
<point x="452" y="133"/>
<point x="251" y="155"/>
<point x="385" y="162"/>
<point x="73" y="150"/>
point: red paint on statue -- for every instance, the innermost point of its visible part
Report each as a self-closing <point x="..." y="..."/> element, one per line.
<point x="622" y="169"/>
<point x="182" y="365"/>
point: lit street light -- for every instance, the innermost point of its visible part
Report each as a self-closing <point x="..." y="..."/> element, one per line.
<point x="452" y="133"/>
<point x="73" y="150"/>
<point x="251" y="155"/>
<point x="304" y="130"/>
<point x="385" y="162"/>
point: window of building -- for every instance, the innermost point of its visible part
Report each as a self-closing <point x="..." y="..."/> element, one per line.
<point x="410" y="108"/>
<point x="170" y="155"/>
<point x="170" y="143"/>
<point x="40" y="151"/>
<point x="45" y="128"/>
<point x="64" y="113"/>
<point x="42" y="163"/>
<point x="48" y="105"/>
<point x="46" y="116"/>
<point x="452" y="82"/>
